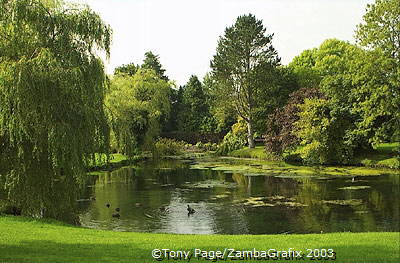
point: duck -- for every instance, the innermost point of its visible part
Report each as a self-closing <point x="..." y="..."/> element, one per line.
<point x="190" y="210"/>
<point x="164" y="208"/>
<point x="117" y="215"/>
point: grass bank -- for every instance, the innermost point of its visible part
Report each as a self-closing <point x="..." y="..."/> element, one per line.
<point x="115" y="160"/>
<point x="383" y="155"/>
<point x="256" y="153"/>
<point x="27" y="240"/>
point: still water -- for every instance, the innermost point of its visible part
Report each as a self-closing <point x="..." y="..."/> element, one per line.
<point x="153" y="197"/>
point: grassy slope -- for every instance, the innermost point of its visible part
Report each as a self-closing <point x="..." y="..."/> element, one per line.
<point x="115" y="160"/>
<point x="257" y="153"/>
<point x="26" y="240"/>
<point x="383" y="155"/>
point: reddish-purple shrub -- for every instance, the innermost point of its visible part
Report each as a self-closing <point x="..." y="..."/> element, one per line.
<point x="279" y="134"/>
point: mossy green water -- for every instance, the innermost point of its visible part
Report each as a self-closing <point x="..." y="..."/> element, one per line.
<point x="276" y="168"/>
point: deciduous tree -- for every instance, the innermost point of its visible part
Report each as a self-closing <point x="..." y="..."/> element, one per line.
<point x="137" y="107"/>
<point x="51" y="102"/>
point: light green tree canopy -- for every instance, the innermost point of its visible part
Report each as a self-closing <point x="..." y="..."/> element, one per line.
<point x="303" y="66"/>
<point x="380" y="31"/>
<point x="381" y="28"/>
<point x="137" y="106"/>
<point x="51" y="102"/>
<point x="321" y="131"/>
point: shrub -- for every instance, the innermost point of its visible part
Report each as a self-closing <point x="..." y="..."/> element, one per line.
<point x="323" y="133"/>
<point x="165" y="147"/>
<point x="207" y="146"/>
<point x="279" y="135"/>
<point x="235" y="139"/>
<point x="199" y="145"/>
<point x="292" y="157"/>
<point x="194" y="137"/>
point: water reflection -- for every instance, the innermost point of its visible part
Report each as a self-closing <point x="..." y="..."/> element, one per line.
<point x="153" y="197"/>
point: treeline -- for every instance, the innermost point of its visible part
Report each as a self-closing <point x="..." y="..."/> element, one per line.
<point x="59" y="111"/>
<point x="349" y="94"/>
<point x="327" y="105"/>
<point x="348" y="101"/>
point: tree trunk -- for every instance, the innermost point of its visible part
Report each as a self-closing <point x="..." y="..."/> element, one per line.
<point x="250" y="134"/>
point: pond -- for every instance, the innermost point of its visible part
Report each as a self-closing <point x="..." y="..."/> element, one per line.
<point x="153" y="197"/>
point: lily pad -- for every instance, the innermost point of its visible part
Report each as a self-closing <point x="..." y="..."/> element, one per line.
<point x="351" y="202"/>
<point x="167" y="185"/>
<point x="326" y="178"/>
<point x="358" y="187"/>
<point x="279" y="198"/>
<point x="221" y="196"/>
<point x="259" y="174"/>
<point x="289" y="176"/>
<point x="210" y="184"/>
<point x="291" y="204"/>
<point x="83" y="200"/>
<point x="257" y="203"/>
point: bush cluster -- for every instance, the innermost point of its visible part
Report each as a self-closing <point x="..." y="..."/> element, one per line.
<point x="165" y="147"/>
<point x="234" y="140"/>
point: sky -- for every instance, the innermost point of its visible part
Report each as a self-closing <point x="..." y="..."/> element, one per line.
<point x="185" y="33"/>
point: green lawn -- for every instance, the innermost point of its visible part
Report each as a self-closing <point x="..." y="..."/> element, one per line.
<point x="384" y="155"/>
<point x="389" y="147"/>
<point x="115" y="160"/>
<point x="27" y="240"/>
<point x="257" y="153"/>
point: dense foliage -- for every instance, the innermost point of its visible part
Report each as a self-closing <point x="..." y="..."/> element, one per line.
<point x="279" y="135"/>
<point x="152" y="61"/>
<point x="167" y="147"/>
<point x="234" y="140"/>
<point x="137" y="106"/>
<point x="381" y="33"/>
<point x="360" y="103"/>
<point x="58" y="109"/>
<point x="128" y="69"/>
<point x="244" y="59"/>
<point x="194" y="115"/>
<point x="51" y="102"/>
<point x="322" y="133"/>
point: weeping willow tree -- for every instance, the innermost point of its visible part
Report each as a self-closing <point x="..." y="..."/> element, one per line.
<point x="52" y="86"/>
<point x="137" y="106"/>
